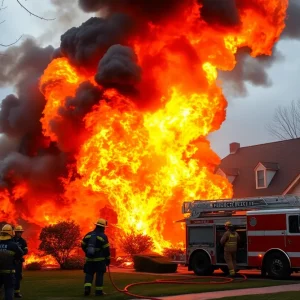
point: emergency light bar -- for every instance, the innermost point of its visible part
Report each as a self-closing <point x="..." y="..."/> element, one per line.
<point x="197" y="207"/>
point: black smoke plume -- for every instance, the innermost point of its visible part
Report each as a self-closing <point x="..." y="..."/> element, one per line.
<point x="153" y="10"/>
<point x="87" y="95"/>
<point x="118" y="68"/>
<point x="86" y="44"/>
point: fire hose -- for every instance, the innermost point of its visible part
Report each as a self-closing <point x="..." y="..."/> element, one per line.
<point x="185" y="280"/>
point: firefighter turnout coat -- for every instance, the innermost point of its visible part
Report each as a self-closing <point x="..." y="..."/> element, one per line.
<point x="9" y="253"/>
<point x="102" y="250"/>
<point x="22" y="244"/>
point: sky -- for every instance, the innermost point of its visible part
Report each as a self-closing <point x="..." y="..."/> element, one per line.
<point x="247" y="116"/>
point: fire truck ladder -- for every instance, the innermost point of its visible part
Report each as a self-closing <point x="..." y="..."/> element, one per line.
<point x="197" y="208"/>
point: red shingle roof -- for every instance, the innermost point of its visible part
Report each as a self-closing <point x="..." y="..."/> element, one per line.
<point x="283" y="156"/>
<point x="230" y="171"/>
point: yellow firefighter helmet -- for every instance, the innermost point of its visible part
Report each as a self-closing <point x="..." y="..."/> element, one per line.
<point x="19" y="228"/>
<point x="228" y="223"/>
<point x="101" y="223"/>
<point x="6" y="232"/>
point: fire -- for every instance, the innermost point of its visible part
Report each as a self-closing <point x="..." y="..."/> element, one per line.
<point x="62" y="81"/>
<point x="45" y="261"/>
<point x="144" y="155"/>
<point x="140" y="160"/>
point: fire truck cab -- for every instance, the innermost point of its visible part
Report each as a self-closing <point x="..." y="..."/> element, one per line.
<point x="269" y="229"/>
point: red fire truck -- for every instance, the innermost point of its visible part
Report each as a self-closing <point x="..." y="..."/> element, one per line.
<point x="269" y="228"/>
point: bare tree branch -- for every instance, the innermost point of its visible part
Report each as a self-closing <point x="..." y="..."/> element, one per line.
<point x="2" y="7"/>
<point x="7" y="45"/>
<point x="286" y="122"/>
<point x="32" y="14"/>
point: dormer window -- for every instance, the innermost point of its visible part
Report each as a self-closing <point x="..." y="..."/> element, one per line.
<point x="264" y="173"/>
<point x="260" y="179"/>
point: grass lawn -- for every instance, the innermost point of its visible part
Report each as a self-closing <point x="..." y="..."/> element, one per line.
<point x="55" y="284"/>
<point x="278" y="296"/>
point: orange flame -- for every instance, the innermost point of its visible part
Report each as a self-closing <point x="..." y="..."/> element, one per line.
<point x="44" y="260"/>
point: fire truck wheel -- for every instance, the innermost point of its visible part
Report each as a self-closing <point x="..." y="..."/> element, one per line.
<point x="201" y="264"/>
<point x="277" y="266"/>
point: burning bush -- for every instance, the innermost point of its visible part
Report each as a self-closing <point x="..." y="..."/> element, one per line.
<point x="133" y="243"/>
<point x="74" y="263"/>
<point x="35" y="266"/>
<point x="59" y="240"/>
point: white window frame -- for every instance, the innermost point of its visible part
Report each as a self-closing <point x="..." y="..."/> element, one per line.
<point x="256" y="179"/>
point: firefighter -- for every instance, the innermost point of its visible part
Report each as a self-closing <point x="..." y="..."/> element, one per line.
<point x="97" y="255"/>
<point x="9" y="253"/>
<point x="230" y="240"/>
<point x="19" y="264"/>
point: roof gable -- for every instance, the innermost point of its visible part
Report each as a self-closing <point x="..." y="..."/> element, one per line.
<point x="268" y="166"/>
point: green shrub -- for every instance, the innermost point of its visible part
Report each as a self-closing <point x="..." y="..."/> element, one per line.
<point x="34" y="266"/>
<point x="74" y="263"/>
<point x="153" y="264"/>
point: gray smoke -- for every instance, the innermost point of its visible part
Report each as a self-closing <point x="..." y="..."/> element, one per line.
<point x="7" y="145"/>
<point x="19" y="63"/>
<point x="118" y="68"/>
<point x="249" y="70"/>
<point x="20" y="114"/>
<point x="86" y="44"/>
<point x="25" y="154"/>
<point x="66" y="13"/>
<point x="292" y="28"/>
<point x="40" y="172"/>
<point x="22" y="67"/>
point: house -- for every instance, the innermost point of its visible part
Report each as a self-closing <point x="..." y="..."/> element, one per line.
<point x="263" y="170"/>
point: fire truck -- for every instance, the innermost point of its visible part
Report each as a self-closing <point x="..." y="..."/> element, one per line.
<point x="269" y="229"/>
